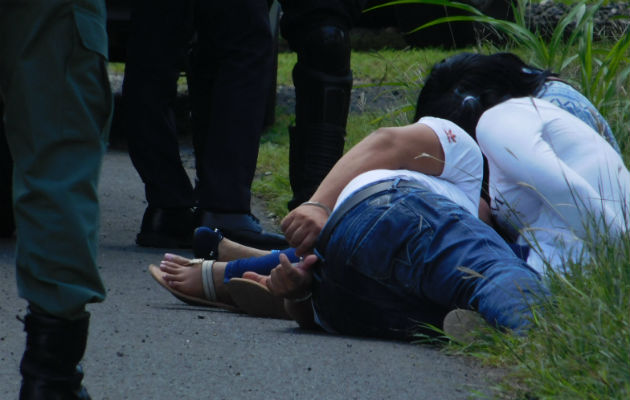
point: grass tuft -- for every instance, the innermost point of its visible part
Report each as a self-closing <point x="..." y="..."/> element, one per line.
<point x="579" y="344"/>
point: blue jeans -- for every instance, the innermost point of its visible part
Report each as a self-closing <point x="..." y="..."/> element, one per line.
<point x="396" y="260"/>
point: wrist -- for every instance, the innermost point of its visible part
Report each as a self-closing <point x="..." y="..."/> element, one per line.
<point x="302" y="299"/>
<point x="318" y="205"/>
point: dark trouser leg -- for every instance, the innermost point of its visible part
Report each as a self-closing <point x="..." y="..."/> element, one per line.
<point x="318" y="31"/>
<point x="323" y="82"/>
<point x="231" y="74"/>
<point x="303" y="15"/>
<point x="230" y="81"/>
<point x="156" y="55"/>
<point x="57" y="112"/>
<point x="58" y="108"/>
<point x="157" y="50"/>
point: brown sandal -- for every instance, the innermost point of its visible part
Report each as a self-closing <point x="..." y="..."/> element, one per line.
<point x="156" y="273"/>
<point x="255" y="299"/>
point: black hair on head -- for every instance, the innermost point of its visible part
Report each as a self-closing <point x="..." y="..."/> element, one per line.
<point x="462" y="87"/>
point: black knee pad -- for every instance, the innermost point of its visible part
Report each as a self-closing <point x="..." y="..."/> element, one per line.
<point x="322" y="77"/>
<point x="321" y="98"/>
<point x="325" y="49"/>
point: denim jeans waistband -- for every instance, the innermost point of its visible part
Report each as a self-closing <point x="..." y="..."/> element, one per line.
<point x="352" y="201"/>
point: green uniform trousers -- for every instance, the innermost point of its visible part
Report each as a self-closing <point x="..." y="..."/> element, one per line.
<point x="58" y="105"/>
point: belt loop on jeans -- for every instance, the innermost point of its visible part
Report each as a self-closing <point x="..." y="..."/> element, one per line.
<point x="352" y="201"/>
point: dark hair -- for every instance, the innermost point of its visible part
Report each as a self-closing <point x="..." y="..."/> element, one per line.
<point x="460" y="88"/>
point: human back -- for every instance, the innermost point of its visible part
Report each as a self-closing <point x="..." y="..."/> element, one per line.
<point x="552" y="180"/>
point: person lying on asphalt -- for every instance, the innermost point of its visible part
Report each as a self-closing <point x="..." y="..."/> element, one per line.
<point x="389" y="241"/>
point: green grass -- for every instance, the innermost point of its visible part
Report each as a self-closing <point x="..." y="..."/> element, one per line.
<point x="373" y="67"/>
<point x="272" y="171"/>
<point x="579" y="345"/>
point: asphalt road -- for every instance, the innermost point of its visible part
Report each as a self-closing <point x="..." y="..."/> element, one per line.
<point x="145" y="344"/>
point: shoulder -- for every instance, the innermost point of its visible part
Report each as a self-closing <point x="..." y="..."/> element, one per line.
<point x="447" y="132"/>
<point x="460" y="149"/>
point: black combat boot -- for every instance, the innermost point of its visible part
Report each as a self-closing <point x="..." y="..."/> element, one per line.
<point x="50" y="364"/>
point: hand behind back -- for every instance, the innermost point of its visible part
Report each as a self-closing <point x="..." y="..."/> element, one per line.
<point x="302" y="226"/>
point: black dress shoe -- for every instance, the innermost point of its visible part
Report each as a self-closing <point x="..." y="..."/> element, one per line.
<point x="167" y="228"/>
<point x="244" y="229"/>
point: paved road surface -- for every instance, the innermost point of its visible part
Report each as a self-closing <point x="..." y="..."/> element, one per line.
<point x="145" y="344"/>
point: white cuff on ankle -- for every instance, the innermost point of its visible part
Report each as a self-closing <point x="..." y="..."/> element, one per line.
<point x="208" y="281"/>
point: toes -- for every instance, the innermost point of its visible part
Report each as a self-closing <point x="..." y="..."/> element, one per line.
<point x="174" y="258"/>
<point x="171" y="269"/>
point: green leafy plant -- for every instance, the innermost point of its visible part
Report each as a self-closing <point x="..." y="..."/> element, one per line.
<point x="604" y="73"/>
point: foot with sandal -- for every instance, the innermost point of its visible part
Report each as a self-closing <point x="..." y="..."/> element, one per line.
<point x="201" y="282"/>
<point x="214" y="277"/>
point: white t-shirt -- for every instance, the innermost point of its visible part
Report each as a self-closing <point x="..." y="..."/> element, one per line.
<point x="461" y="177"/>
<point x="550" y="173"/>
